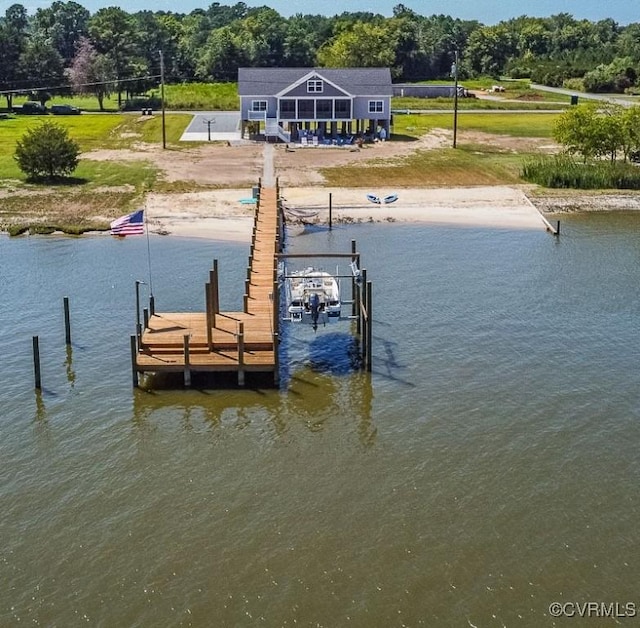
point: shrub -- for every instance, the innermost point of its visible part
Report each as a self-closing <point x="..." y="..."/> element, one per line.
<point x="562" y="171"/>
<point x="47" y="152"/>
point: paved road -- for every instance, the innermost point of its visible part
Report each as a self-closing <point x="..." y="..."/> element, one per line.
<point x="621" y="99"/>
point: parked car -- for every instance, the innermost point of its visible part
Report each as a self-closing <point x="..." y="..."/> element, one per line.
<point x="31" y="107"/>
<point x="65" y="110"/>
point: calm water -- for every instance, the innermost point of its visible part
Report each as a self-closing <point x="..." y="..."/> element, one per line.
<point x="488" y="467"/>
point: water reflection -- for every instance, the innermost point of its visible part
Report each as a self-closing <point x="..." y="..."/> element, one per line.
<point x="316" y="401"/>
<point x="68" y="363"/>
<point x="41" y="410"/>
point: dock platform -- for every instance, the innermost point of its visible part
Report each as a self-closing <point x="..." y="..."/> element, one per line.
<point x="215" y="341"/>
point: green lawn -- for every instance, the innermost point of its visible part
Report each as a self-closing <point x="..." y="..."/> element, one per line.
<point x="91" y="131"/>
<point x="515" y="124"/>
<point x="99" y="190"/>
<point x="433" y="168"/>
<point x="469" y="164"/>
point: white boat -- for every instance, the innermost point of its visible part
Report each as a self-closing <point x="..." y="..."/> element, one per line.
<point x="313" y="297"/>
<point x="373" y="198"/>
<point x="391" y="198"/>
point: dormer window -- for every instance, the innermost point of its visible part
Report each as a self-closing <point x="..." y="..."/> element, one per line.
<point x="314" y="86"/>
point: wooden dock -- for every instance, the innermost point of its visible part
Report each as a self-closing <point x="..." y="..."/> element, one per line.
<point x="215" y="341"/>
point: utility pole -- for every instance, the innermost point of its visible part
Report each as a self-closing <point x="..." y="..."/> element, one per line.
<point x="164" y="130"/>
<point x="454" y="70"/>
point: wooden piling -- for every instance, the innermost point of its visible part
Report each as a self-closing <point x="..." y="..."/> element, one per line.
<point x="187" y="367"/>
<point x="362" y="301"/>
<point x="36" y="362"/>
<point x="369" y="326"/>
<point x="152" y="305"/>
<point x="241" y="354"/>
<point x="138" y="282"/>
<point x="67" y="322"/>
<point x="145" y="318"/>
<point x="215" y="296"/>
<point x="209" y="315"/>
<point x="276" y="305"/>
<point x="353" y="280"/>
<point x="276" y="360"/>
<point x="134" y="369"/>
<point x="557" y="228"/>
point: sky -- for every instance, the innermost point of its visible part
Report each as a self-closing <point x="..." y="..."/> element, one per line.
<point x="487" y="11"/>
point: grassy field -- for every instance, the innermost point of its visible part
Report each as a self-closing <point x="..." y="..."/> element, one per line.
<point x="443" y="167"/>
<point x="108" y="188"/>
<point x="469" y="164"/>
<point x="412" y="126"/>
<point x="179" y="97"/>
<point x="440" y="104"/>
<point x="91" y="131"/>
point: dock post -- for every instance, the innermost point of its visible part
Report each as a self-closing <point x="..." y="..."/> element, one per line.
<point x="187" y="368"/>
<point x="276" y="361"/>
<point x="353" y="280"/>
<point x="361" y="300"/>
<point x="276" y="305"/>
<point x="245" y="302"/>
<point x="36" y="362"/>
<point x="67" y="322"/>
<point x="152" y="305"/>
<point x="134" y="366"/>
<point x="215" y="297"/>
<point x="330" y="211"/>
<point x="138" y="326"/>
<point x="557" y="228"/>
<point x="240" y="354"/>
<point x="145" y="315"/>
<point x="369" y="326"/>
<point x="209" y="315"/>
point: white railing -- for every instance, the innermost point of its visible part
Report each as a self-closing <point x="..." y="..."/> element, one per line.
<point x="273" y="129"/>
<point x="257" y="115"/>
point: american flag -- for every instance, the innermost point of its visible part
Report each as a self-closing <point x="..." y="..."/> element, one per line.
<point x="131" y="224"/>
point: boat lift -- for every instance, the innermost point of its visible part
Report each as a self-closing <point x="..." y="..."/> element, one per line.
<point x="361" y="294"/>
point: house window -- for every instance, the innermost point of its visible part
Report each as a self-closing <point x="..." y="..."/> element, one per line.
<point x="306" y="109"/>
<point x="288" y="109"/>
<point x="324" y="109"/>
<point x="343" y="108"/>
<point x="376" y="106"/>
<point x="314" y="86"/>
<point x="258" y="105"/>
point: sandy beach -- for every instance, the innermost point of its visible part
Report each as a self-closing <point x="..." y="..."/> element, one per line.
<point x="220" y="214"/>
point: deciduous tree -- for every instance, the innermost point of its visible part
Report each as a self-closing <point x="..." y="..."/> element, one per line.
<point x="92" y="72"/>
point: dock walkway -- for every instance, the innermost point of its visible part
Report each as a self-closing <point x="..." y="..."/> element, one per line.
<point x="215" y="341"/>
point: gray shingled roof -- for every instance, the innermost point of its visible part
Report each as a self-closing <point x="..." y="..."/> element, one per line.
<point x="356" y="81"/>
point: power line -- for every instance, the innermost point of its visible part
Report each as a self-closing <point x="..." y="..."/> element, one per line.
<point x="57" y="87"/>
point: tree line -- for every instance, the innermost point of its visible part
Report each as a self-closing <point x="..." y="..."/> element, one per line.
<point x="113" y="50"/>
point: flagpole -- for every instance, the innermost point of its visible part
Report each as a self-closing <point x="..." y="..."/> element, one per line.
<point x="151" y="297"/>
